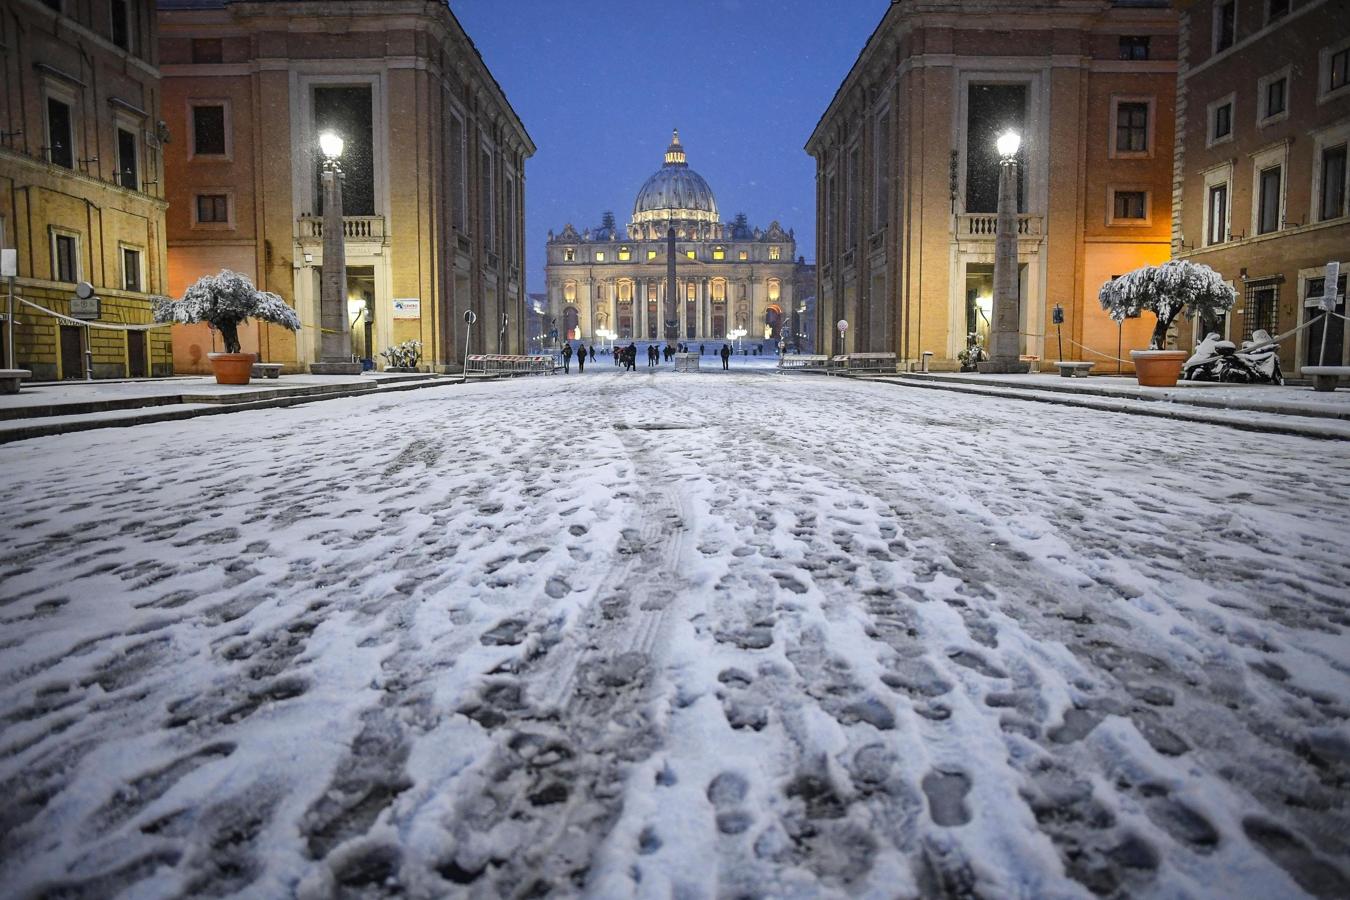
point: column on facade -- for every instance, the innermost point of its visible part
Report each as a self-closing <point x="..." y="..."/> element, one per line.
<point x="639" y="308"/>
<point x="702" y="327"/>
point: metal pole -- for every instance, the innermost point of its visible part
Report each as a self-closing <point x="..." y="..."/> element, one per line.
<point x="88" y="356"/>
<point x="9" y="328"/>
<point x="1322" y="355"/>
<point x="1059" y="333"/>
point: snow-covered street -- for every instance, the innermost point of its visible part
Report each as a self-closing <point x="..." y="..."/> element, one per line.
<point x="695" y="636"/>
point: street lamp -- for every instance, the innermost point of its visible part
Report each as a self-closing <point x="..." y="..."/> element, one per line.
<point x="335" y="341"/>
<point x="1004" y="336"/>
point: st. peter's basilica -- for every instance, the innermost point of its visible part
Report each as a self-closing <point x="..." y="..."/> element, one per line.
<point x="728" y="275"/>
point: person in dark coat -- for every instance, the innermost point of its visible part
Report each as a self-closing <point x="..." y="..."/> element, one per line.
<point x="567" y="358"/>
<point x="725" y="353"/>
<point x="700" y="349"/>
<point x="630" y="357"/>
<point x="581" y="358"/>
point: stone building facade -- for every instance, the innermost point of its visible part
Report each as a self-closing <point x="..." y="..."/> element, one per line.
<point x="1263" y="126"/>
<point x="729" y="276"/>
<point x="907" y="173"/>
<point x="81" y="183"/>
<point x="434" y="172"/>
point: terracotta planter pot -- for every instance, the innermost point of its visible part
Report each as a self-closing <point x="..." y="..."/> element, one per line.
<point x="1158" y="368"/>
<point x="231" y="368"/>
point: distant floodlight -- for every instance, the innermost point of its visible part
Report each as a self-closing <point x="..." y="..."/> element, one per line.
<point x="1007" y="143"/>
<point x="330" y="142"/>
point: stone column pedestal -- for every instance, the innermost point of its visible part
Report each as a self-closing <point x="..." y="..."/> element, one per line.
<point x="1004" y="332"/>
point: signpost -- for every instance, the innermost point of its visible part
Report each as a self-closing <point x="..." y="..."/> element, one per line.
<point x="86" y="305"/>
<point x="842" y="325"/>
<point x="1057" y="316"/>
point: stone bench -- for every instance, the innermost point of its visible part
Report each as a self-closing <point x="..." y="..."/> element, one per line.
<point x="265" y="370"/>
<point x="1075" y="369"/>
<point x="10" y="378"/>
<point x="1325" y="377"/>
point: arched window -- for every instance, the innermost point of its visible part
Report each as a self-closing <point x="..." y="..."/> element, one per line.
<point x="773" y="322"/>
<point x="775" y="288"/>
<point x="570" y="291"/>
<point x="571" y="324"/>
<point x="718" y="289"/>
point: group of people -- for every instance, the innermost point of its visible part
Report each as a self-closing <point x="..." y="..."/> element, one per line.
<point x="627" y="356"/>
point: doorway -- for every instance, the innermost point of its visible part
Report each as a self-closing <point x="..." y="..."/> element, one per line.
<point x="361" y="310"/>
<point x="72" y="353"/>
<point x="136" y="355"/>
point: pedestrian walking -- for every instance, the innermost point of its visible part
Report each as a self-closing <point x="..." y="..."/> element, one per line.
<point x="567" y="358"/>
<point x="630" y="357"/>
<point x="581" y="358"/>
<point x="726" y="355"/>
<point x="700" y="349"/>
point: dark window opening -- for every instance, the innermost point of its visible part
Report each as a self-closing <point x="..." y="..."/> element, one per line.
<point x="1268" y="218"/>
<point x="1340" y="70"/>
<point x="120" y="26"/>
<point x="131" y="270"/>
<point x="1333" y="182"/>
<point x="348" y="112"/>
<point x="1313" y="354"/>
<point x="126" y="160"/>
<point x="208" y="130"/>
<point x="1131" y="127"/>
<point x="64" y="263"/>
<point x="208" y="50"/>
<point x="1226" y="29"/>
<point x="1129" y="205"/>
<point x="1218" y="215"/>
<point x="1134" y="46"/>
<point x="59" y="134"/>
<point x="1261" y="310"/>
<point x="991" y="110"/>
<point x="212" y="208"/>
<point x="1276" y="9"/>
<point x="1223" y="121"/>
<point x="1275" y="97"/>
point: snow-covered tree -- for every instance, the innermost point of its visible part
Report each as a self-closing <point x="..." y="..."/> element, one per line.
<point x="1166" y="290"/>
<point x="224" y="302"/>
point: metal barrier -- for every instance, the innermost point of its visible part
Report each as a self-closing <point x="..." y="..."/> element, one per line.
<point x="686" y="362"/>
<point x="803" y="361"/>
<point x="497" y="365"/>
<point x="864" y="362"/>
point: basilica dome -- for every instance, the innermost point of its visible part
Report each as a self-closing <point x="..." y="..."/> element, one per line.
<point x="676" y="196"/>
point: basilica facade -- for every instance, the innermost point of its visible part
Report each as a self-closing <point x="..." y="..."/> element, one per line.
<point x="728" y="276"/>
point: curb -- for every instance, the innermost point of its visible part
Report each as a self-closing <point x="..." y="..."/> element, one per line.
<point x="1298" y="426"/>
<point x="184" y="410"/>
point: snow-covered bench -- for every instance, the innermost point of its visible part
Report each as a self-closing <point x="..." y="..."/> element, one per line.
<point x="1074" y="369"/>
<point x="498" y="364"/>
<point x="266" y="370"/>
<point x="1325" y="377"/>
<point x="10" y="378"/>
<point x="866" y="362"/>
<point x="803" y="361"/>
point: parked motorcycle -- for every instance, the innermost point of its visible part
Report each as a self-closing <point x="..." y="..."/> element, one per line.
<point x="1257" y="362"/>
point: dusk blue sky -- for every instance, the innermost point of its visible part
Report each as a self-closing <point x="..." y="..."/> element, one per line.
<point x="599" y="85"/>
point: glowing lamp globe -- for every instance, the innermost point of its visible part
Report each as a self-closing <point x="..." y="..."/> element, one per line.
<point x="331" y="144"/>
<point x="1007" y="144"/>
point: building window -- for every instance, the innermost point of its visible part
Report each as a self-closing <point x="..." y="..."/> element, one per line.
<point x="1261" y="308"/>
<point x="1222" y="122"/>
<point x="743" y="255"/>
<point x="1130" y="205"/>
<point x="1332" y="195"/>
<point x="1216" y="211"/>
<point x="1132" y="127"/>
<point x="119" y="16"/>
<point x="131" y="270"/>
<point x="126" y="160"/>
<point x="213" y="209"/>
<point x="1276" y="9"/>
<point x="53" y="4"/>
<point x="1338" y="74"/>
<point x="719" y="253"/>
<point x="1273" y="97"/>
<point x="60" y="135"/>
<point x="599" y="256"/>
<point x="1134" y="46"/>
<point x="208" y="130"/>
<point x="651" y="254"/>
<point x="691" y="254"/>
<point x="459" y="173"/>
<point x="569" y="254"/>
<point x="65" y="258"/>
<point x="881" y="189"/>
<point x="625" y="254"/>
<point x="487" y="199"/>
<point x="208" y="50"/>
<point x="510" y="221"/>
<point x="1225" y="25"/>
<point x="1268" y="203"/>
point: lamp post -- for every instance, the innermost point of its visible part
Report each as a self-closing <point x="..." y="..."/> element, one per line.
<point x="1004" y="333"/>
<point x="335" y="340"/>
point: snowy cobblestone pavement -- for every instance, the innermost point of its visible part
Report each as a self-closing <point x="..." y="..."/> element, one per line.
<point x="675" y="636"/>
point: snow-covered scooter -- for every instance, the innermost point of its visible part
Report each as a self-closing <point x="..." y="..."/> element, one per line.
<point x="1258" y="362"/>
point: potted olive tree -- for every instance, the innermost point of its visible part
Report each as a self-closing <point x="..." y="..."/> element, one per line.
<point x="1165" y="290"/>
<point x="224" y="302"/>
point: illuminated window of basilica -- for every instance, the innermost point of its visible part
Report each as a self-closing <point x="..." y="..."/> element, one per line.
<point x="775" y="288"/>
<point x="569" y="254"/>
<point x="719" y="290"/>
<point x="625" y="292"/>
<point x="625" y="254"/>
<point x="775" y="252"/>
<point x="570" y="291"/>
<point x="690" y="254"/>
<point x="651" y="254"/>
<point x="599" y="256"/>
<point x="719" y="253"/>
<point x="744" y="255"/>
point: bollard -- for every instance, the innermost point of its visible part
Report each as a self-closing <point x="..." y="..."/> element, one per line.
<point x="923" y="366"/>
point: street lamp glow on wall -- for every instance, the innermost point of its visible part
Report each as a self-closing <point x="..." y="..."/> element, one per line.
<point x="331" y="143"/>
<point x="1007" y="144"/>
